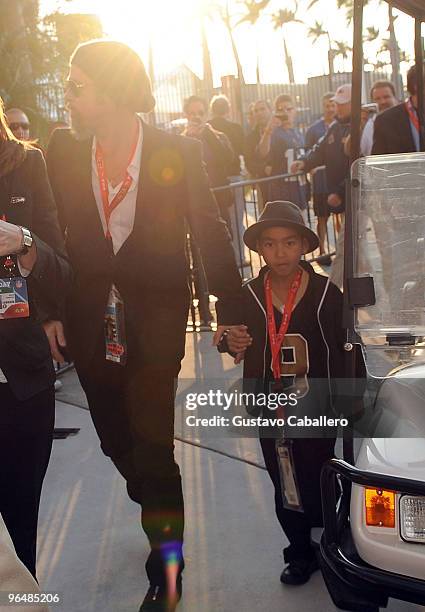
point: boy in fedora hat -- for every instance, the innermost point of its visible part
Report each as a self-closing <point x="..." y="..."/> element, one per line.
<point x="291" y="342"/>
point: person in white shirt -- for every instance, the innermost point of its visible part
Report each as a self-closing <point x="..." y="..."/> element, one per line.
<point x="383" y="95"/>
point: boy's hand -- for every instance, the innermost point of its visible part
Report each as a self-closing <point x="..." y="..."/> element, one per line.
<point x="238" y="340"/>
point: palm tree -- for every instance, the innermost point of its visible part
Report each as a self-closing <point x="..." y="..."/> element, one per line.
<point x="224" y="13"/>
<point x="342" y="49"/>
<point x="281" y="20"/>
<point x="393" y="47"/>
<point x="206" y="59"/>
<point x="394" y="53"/>
<point x="253" y="12"/>
<point x="372" y="34"/>
<point x="316" y="32"/>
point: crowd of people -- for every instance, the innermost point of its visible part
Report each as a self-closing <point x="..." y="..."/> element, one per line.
<point x="270" y="144"/>
<point x="93" y="263"/>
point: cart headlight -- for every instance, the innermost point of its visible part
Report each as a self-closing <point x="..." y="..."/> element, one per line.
<point x="380" y="507"/>
<point x="412" y="518"/>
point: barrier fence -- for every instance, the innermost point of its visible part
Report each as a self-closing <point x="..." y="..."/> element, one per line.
<point x="248" y="200"/>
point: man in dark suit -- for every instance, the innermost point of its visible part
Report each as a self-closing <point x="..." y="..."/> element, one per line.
<point x="397" y="129"/>
<point x="31" y="254"/>
<point x="125" y="191"/>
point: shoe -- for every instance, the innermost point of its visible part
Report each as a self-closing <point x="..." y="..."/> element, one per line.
<point x="58" y="385"/>
<point x="157" y="600"/>
<point x="299" y="571"/>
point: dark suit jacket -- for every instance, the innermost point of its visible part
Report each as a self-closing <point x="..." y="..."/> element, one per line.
<point x="235" y="134"/>
<point x="26" y="199"/>
<point x="392" y="132"/>
<point x="150" y="270"/>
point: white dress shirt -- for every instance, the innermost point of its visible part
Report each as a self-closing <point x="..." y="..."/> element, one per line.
<point x="121" y="221"/>
<point x="366" y="141"/>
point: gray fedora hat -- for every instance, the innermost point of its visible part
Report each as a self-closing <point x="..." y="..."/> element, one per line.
<point x="282" y="214"/>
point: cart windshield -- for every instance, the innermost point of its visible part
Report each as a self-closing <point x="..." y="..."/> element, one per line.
<point x="389" y="246"/>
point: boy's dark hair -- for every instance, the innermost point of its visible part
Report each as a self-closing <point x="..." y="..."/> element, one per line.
<point x="412" y="81"/>
<point x="381" y="85"/>
<point x="117" y="71"/>
<point x="220" y="105"/>
<point x="191" y="99"/>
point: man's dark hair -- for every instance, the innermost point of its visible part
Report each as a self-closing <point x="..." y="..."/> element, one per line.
<point x="283" y="98"/>
<point x="412" y="81"/>
<point x="191" y="99"/>
<point x="328" y="96"/>
<point x="220" y="105"/>
<point x="381" y="85"/>
<point x="117" y="72"/>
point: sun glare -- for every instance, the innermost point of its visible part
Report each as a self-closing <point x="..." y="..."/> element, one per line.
<point x="172" y="29"/>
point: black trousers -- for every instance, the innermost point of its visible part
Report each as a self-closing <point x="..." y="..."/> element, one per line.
<point x="26" y="434"/>
<point x="309" y="456"/>
<point x="132" y="409"/>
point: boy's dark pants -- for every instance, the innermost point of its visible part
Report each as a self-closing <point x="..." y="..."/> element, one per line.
<point x="309" y="456"/>
<point x="26" y="434"/>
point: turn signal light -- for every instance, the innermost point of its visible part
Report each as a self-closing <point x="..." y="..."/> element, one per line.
<point x="380" y="507"/>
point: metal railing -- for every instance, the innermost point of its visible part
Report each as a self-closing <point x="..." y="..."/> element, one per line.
<point x="248" y="199"/>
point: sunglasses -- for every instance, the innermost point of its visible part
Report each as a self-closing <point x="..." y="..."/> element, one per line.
<point x="74" y="88"/>
<point x="18" y="125"/>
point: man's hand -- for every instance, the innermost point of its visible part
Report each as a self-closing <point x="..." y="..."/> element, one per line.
<point x="238" y="339"/>
<point x="11" y="238"/>
<point x="334" y="200"/>
<point x="194" y="130"/>
<point x="56" y="337"/>
<point x="297" y="166"/>
<point x="273" y="124"/>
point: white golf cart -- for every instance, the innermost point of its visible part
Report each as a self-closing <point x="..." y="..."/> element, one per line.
<point x="373" y="545"/>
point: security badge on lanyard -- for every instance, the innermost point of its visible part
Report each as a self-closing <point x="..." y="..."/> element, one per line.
<point x="114" y="322"/>
<point x="284" y="450"/>
<point x="13" y="289"/>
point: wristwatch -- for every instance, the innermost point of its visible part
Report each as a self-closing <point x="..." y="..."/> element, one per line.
<point x="27" y="241"/>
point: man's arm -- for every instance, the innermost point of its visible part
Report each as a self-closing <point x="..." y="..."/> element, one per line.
<point x="51" y="275"/>
<point x="220" y="145"/>
<point x="212" y="237"/>
<point x="253" y="162"/>
<point x="316" y="157"/>
<point x="310" y="138"/>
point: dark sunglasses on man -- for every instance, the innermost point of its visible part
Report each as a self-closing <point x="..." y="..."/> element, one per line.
<point x="73" y="88"/>
<point x="19" y="125"/>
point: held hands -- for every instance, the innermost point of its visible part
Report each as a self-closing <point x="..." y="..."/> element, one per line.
<point x="334" y="200"/>
<point x="56" y="337"/>
<point x="238" y="339"/>
<point x="11" y="238"/>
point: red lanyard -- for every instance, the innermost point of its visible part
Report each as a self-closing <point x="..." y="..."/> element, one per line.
<point x="411" y="111"/>
<point x="108" y="208"/>
<point x="276" y="340"/>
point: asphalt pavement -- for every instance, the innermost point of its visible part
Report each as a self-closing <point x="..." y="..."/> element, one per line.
<point x="91" y="546"/>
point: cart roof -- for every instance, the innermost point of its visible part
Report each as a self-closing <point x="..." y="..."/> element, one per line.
<point x="414" y="8"/>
